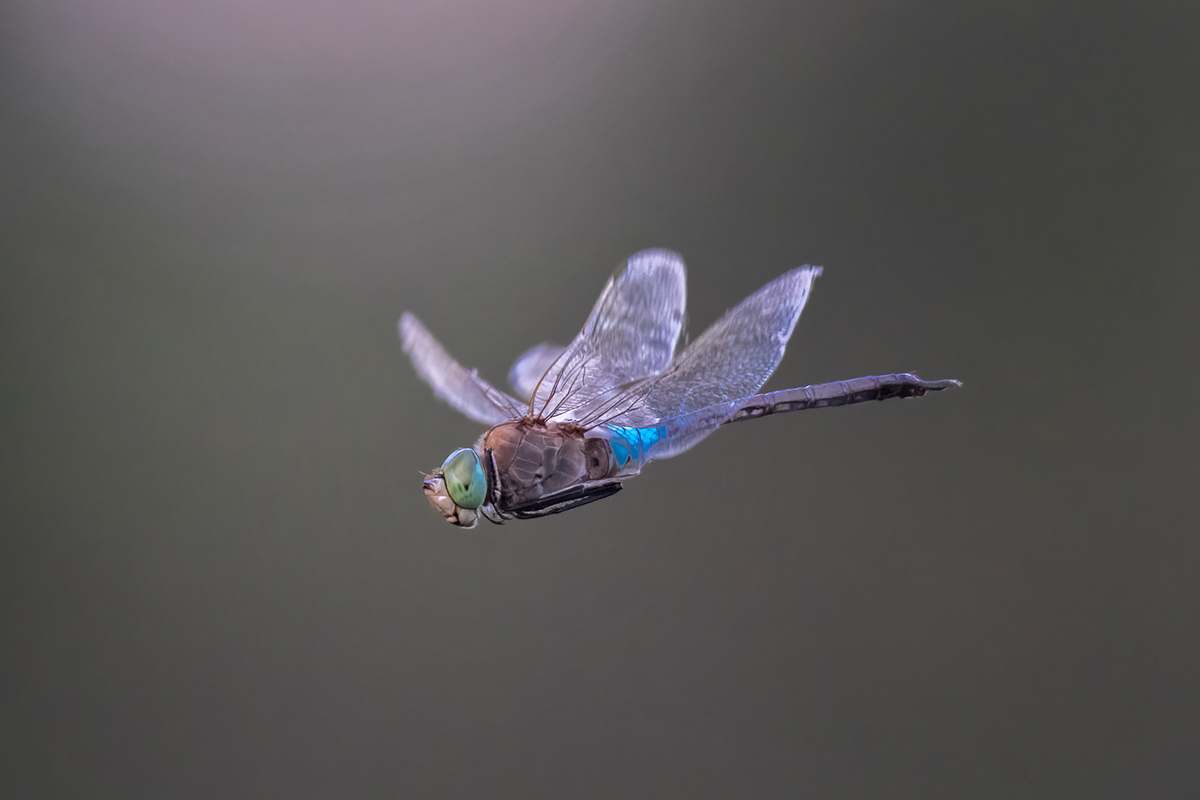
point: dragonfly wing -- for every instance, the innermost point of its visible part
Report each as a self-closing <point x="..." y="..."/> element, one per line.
<point x="531" y="366"/>
<point x="630" y="335"/>
<point x="724" y="366"/>
<point x="460" y="387"/>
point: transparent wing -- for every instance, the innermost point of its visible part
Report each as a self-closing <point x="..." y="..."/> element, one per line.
<point x="726" y="364"/>
<point x="531" y="366"/>
<point x="629" y="336"/>
<point x="459" y="387"/>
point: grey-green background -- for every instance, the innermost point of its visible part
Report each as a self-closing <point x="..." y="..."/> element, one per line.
<point x="220" y="577"/>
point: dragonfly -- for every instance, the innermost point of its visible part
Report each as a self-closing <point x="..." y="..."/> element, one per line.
<point x="588" y="416"/>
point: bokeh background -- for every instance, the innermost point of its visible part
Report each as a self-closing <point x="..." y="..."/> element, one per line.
<point x="219" y="576"/>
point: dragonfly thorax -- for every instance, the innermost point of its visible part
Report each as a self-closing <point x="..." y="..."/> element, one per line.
<point x="531" y="461"/>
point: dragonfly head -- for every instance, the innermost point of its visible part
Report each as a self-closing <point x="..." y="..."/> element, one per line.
<point x="458" y="489"/>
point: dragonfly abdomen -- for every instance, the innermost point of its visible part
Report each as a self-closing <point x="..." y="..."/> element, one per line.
<point x="632" y="444"/>
<point x="838" y="393"/>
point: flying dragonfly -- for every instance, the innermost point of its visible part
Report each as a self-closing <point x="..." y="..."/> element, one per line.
<point x="593" y="413"/>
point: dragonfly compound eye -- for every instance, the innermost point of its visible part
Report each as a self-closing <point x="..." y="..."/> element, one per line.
<point x="464" y="478"/>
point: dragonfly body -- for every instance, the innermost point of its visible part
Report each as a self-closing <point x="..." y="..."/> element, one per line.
<point x="596" y="411"/>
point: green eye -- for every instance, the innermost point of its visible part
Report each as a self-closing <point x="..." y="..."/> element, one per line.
<point x="464" y="478"/>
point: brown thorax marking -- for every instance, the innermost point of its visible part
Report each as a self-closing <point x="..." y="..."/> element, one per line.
<point x="534" y="459"/>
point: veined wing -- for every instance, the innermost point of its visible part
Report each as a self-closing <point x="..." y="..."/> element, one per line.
<point x="728" y="363"/>
<point x="459" y="387"/>
<point x="529" y="368"/>
<point x="629" y="336"/>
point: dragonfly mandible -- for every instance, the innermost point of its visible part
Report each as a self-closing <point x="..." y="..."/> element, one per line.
<point x="588" y="416"/>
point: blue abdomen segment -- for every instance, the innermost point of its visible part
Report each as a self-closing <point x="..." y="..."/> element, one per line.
<point x="633" y="443"/>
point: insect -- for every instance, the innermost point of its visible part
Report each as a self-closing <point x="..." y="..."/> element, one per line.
<point x="593" y="413"/>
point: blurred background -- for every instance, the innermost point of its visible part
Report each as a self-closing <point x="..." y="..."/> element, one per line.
<point x="219" y="576"/>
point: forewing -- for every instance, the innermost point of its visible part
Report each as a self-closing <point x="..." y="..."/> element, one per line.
<point x="630" y="335"/>
<point x="459" y="387"/>
<point x="729" y="361"/>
